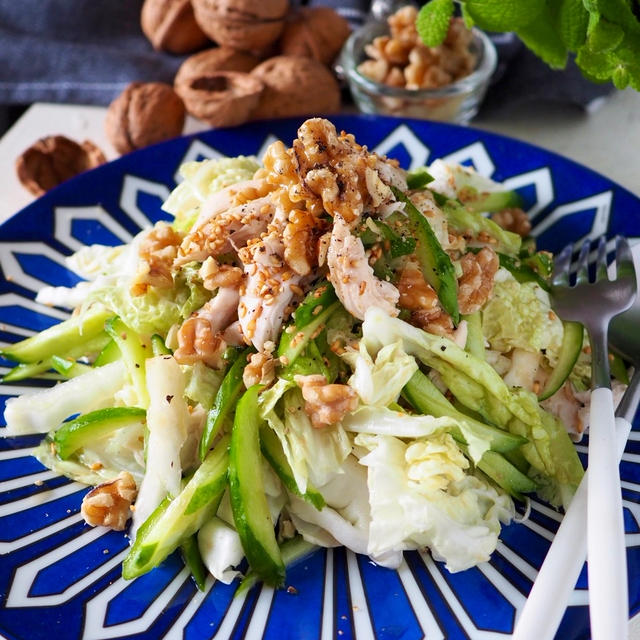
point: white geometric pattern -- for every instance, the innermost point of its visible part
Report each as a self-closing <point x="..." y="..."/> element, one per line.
<point x="361" y="617"/>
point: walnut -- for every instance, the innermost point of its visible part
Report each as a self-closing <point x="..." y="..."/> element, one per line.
<point x="325" y="403"/>
<point x="475" y="285"/>
<point x="402" y="60"/>
<point x="206" y="62"/>
<point x="54" y="159"/>
<point x="143" y="114"/>
<point x="315" y="32"/>
<point x="157" y="252"/>
<point x="295" y="86"/>
<point x="171" y="26"/>
<point x="216" y="275"/>
<point x="245" y="25"/>
<point x="436" y="321"/>
<point x="109" y="503"/>
<point x="513" y="219"/>
<point x="221" y="98"/>
<point x="260" y="370"/>
<point x="300" y="245"/>
<point x="415" y="293"/>
<point x="197" y="341"/>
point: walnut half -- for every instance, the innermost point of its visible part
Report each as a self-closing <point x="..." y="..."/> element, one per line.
<point x="109" y="503"/>
<point x="325" y="403"/>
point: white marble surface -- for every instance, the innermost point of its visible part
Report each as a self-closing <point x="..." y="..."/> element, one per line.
<point x="606" y="140"/>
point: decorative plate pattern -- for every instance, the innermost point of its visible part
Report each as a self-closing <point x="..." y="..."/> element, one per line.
<point x="60" y="578"/>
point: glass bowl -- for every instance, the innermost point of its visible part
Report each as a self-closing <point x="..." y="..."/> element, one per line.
<point x="456" y="102"/>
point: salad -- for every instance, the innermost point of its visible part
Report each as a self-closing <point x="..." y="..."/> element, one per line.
<point x="320" y="349"/>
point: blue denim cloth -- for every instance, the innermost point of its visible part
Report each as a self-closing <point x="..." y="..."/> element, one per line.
<point x="87" y="51"/>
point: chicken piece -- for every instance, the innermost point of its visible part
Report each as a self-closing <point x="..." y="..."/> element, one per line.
<point x="353" y="278"/>
<point x="269" y="290"/>
<point x="227" y="231"/>
<point x="200" y="337"/>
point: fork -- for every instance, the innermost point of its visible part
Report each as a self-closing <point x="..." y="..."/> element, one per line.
<point x="594" y="304"/>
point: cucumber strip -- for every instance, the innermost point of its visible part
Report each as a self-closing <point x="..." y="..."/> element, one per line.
<point x="134" y="353"/>
<point x="618" y="368"/>
<point x="246" y="489"/>
<point x="22" y="371"/>
<point x="273" y="452"/>
<point x="400" y="244"/>
<point x="294" y="338"/>
<point x="292" y="551"/>
<point x="488" y="201"/>
<point x="224" y="404"/>
<point x="522" y="272"/>
<point x="475" y="337"/>
<point x="321" y="296"/>
<point x="426" y="398"/>
<point x="110" y="353"/>
<point x="60" y="338"/>
<point x="569" y="351"/>
<point x="418" y="178"/>
<point x="506" y="475"/>
<point x="167" y="528"/>
<point x="158" y="346"/>
<point x="463" y="219"/>
<point x="69" y="368"/>
<point x="193" y="561"/>
<point x="437" y="267"/>
<point x="85" y="429"/>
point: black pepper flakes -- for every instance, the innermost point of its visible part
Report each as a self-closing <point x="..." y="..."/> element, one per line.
<point x="169" y="399"/>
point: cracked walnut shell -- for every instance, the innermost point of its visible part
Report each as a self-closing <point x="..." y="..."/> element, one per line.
<point x="221" y="98"/>
<point x="246" y="25"/>
<point x="171" y="26"/>
<point x="295" y="86"/>
<point x="315" y="32"/>
<point x="143" y="114"/>
<point x="54" y="159"/>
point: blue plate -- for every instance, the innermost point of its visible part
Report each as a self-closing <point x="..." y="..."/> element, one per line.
<point x="61" y="579"/>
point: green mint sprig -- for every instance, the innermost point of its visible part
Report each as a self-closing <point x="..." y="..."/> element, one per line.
<point x="604" y="35"/>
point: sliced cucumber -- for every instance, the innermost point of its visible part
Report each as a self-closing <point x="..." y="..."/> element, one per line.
<point x="27" y="370"/>
<point x="167" y="528"/>
<point x="569" y="352"/>
<point x="506" y="475"/>
<point x="426" y="398"/>
<point x="246" y="488"/>
<point x="110" y="353"/>
<point x="69" y="368"/>
<point x="158" y="346"/>
<point x="475" y="337"/>
<point x="85" y="429"/>
<point x="436" y="264"/>
<point x="193" y="561"/>
<point x="273" y="452"/>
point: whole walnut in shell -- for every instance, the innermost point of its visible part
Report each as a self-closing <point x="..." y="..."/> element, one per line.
<point x="143" y="114"/>
<point x="210" y="61"/>
<point x="221" y="98"/>
<point x="54" y="159"/>
<point x="314" y="32"/>
<point x="247" y="25"/>
<point x="295" y="86"/>
<point x="171" y="26"/>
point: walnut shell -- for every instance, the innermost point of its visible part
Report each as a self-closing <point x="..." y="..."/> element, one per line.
<point x="54" y="159"/>
<point x="221" y="98"/>
<point x="143" y="114"/>
<point x="246" y="25"/>
<point x="295" y="86"/>
<point x="315" y="32"/>
<point x="171" y="26"/>
<point x="212" y="60"/>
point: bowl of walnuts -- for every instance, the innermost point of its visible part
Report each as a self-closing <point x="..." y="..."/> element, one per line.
<point x="391" y="71"/>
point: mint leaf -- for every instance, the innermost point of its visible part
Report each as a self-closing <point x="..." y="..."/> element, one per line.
<point x="604" y="35"/>
<point x="504" y="15"/>
<point x="573" y="20"/>
<point x="433" y="20"/>
<point x="542" y="37"/>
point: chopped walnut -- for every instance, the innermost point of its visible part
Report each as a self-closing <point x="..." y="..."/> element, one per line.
<point x="415" y="292"/>
<point x="260" y="370"/>
<point x="325" y="403"/>
<point x="403" y="60"/>
<point x="513" y="219"/>
<point x="109" y="503"/>
<point x="475" y="285"/>
<point x="157" y="252"/>
<point x="216" y="275"/>
<point x="300" y="241"/>
<point x="198" y="341"/>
